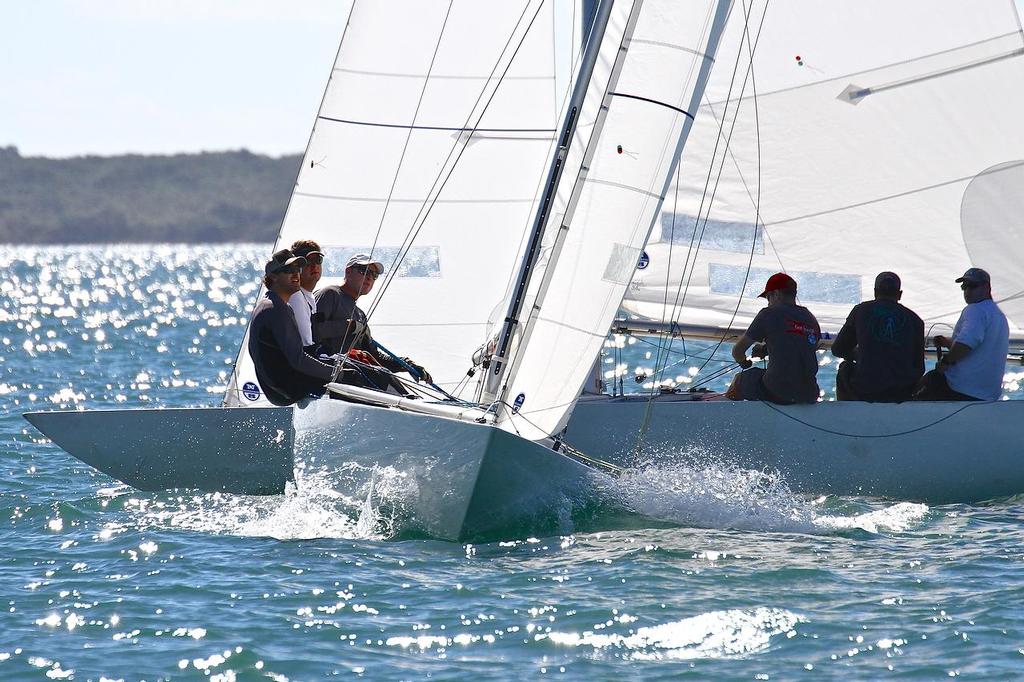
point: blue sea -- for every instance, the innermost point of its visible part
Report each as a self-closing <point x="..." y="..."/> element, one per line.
<point x="750" y="581"/>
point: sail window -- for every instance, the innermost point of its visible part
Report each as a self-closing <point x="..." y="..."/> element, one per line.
<point x="621" y="264"/>
<point x="719" y="235"/>
<point x="814" y="287"/>
<point x="419" y="261"/>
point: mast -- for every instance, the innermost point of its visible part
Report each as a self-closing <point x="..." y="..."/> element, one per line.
<point x="492" y="384"/>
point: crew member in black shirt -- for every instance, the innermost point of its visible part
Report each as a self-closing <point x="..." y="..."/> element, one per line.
<point x="882" y="346"/>
<point x="285" y="372"/>
<point x="340" y="327"/>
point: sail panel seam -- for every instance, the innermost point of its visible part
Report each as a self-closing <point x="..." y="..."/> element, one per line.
<point x="653" y="101"/>
<point x="442" y="128"/>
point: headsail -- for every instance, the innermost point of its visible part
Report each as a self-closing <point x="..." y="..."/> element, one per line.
<point x="435" y="127"/>
<point x="653" y="61"/>
<point x="883" y="136"/>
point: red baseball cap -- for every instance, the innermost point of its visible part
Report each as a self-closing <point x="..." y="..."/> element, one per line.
<point x="779" y="281"/>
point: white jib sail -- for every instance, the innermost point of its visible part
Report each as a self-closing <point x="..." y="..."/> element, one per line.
<point x="883" y="136"/>
<point x="435" y="127"/>
<point x="652" y="66"/>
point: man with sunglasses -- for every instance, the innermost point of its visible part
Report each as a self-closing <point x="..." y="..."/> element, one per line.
<point x="284" y="370"/>
<point x="973" y="368"/>
<point x="340" y="327"/>
<point x="303" y="304"/>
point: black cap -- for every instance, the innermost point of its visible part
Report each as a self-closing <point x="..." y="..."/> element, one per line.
<point x="975" y="276"/>
<point x="888" y="283"/>
<point x="281" y="260"/>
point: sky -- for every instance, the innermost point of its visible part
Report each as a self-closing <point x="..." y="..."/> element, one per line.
<point x="164" y="76"/>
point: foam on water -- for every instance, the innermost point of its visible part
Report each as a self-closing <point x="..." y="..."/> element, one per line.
<point x="719" y="495"/>
<point x="311" y="508"/>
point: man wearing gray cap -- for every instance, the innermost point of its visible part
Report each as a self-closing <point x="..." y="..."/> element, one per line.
<point x="285" y="372"/>
<point x="303" y="304"/>
<point x="882" y="347"/>
<point x="340" y="326"/>
<point x="973" y="368"/>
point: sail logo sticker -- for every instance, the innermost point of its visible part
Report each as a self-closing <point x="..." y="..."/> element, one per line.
<point x="644" y="261"/>
<point x="251" y="391"/>
<point x="518" y="403"/>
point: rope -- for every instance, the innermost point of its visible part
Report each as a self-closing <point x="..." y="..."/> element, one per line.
<point x="680" y="296"/>
<point x="858" y="435"/>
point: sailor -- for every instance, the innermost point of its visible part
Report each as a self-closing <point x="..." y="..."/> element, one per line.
<point x="340" y="327"/>
<point x="973" y="368"/>
<point x="882" y="346"/>
<point x="303" y="304"/>
<point x="284" y="370"/>
<point x="791" y="334"/>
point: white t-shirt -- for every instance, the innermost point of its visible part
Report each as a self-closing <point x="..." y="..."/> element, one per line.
<point x="983" y="327"/>
<point x="304" y="307"/>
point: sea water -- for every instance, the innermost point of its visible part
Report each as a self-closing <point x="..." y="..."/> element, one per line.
<point x="741" y="580"/>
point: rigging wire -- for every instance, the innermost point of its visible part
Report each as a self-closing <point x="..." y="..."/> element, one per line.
<point x="408" y="135"/>
<point x="698" y="229"/>
<point x="461" y="144"/>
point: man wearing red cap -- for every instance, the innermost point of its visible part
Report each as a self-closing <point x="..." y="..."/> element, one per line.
<point x="791" y="334"/>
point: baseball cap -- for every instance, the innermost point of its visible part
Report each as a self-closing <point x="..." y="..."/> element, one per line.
<point x="888" y="282"/>
<point x="306" y="250"/>
<point x="281" y="260"/>
<point x="976" y="275"/>
<point x="778" y="281"/>
<point x="364" y="259"/>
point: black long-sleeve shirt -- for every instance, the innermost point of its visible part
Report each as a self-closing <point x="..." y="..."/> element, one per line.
<point x="887" y="340"/>
<point x="284" y="370"/>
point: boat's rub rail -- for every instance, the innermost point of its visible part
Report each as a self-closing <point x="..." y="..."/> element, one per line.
<point x="381" y="399"/>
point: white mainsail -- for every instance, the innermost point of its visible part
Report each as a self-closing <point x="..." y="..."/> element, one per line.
<point x="434" y="130"/>
<point x="883" y="136"/>
<point x="652" y="64"/>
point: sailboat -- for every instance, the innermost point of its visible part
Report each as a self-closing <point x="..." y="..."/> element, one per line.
<point x="506" y="215"/>
<point x="836" y="141"/>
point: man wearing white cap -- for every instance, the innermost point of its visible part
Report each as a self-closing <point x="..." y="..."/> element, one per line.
<point x="340" y="326"/>
<point x="973" y="368"/>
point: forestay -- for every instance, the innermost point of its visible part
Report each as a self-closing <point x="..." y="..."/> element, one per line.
<point x="653" y="61"/>
<point x="434" y="130"/>
<point x="883" y="136"/>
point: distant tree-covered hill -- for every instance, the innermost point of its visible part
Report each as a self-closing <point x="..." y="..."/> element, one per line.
<point x="208" y="197"/>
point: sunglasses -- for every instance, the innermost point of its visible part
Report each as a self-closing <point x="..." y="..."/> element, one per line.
<point x="366" y="270"/>
<point x="314" y="259"/>
<point x="969" y="285"/>
<point x="290" y="270"/>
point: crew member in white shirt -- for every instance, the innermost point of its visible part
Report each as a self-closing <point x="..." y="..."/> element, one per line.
<point x="304" y="305"/>
<point x="973" y="368"/>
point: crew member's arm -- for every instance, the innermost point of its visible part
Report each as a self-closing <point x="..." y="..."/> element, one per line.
<point x="955" y="354"/>
<point x="739" y="351"/>
<point x="845" y="343"/>
<point x="970" y="333"/>
<point x="288" y="340"/>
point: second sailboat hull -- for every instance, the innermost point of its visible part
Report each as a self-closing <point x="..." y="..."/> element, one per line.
<point x="930" y="452"/>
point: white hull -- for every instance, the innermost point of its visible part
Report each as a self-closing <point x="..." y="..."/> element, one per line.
<point x="468" y="479"/>
<point x="238" y="450"/>
<point x="929" y="452"/>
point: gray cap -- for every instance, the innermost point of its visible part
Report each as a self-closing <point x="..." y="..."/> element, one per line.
<point x="975" y="276"/>
<point x="281" y="260"/>
<point x="888" y="282"/>
<point x="364" y="259"/>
